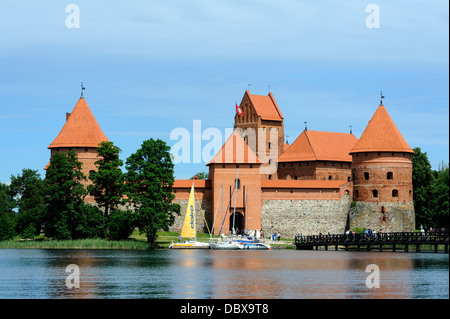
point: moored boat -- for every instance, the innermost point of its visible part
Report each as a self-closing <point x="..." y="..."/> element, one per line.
<point x="256" y="246"/>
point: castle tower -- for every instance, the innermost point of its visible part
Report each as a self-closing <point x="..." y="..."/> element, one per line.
<point x="382" y="177"/>
<point x="235" y="164"/>
<point x="82" y="133"/>
<point x="263" y="117"/>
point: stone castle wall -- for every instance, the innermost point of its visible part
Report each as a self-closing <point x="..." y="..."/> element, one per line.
<point x="202" y="208"/>
<point x="389" y="217"/>
<point x="309" y="217"/>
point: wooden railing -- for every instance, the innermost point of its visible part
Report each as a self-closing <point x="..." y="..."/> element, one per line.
<point x="400" y="238"/>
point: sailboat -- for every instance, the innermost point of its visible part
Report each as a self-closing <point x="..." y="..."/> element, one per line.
<point x="189" y="228"/>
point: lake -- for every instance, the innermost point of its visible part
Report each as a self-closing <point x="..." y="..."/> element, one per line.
<point x="201" y="274"/>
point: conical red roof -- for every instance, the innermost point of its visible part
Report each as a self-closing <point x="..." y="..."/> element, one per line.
<point x="320" y="146"/>
<point x="80" y="130"/>
<point x="235" y="151"/>
<point x="381" y="135"/>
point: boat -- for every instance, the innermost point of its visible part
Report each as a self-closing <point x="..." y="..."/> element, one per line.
<point x="189" y="228"/>
<point x="226" y="245"/>
<point x="188" y="244"/>
<point x="256" y="246"/>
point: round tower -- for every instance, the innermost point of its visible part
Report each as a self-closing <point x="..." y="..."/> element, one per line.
<point x="82" y="133"/>
<point x="382" y="178"/>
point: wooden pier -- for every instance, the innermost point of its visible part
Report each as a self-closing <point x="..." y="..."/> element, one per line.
<point x="404" y="241"/>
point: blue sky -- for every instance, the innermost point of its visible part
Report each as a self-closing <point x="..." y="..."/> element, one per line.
<point x="152" y="66"/>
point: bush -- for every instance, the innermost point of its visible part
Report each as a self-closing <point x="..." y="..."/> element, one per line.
<point x="7" y="225"/>
<point x="91" y="223"/>
<point x="359" y="230"/>
<point x="120" y="224"/>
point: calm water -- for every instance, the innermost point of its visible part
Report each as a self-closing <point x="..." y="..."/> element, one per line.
<point x="281" y="274"/>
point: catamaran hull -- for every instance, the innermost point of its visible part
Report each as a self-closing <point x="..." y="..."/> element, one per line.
<point x="256" y="246"/>
<point x="190" y="246"/>
<point x="223" y="246"/>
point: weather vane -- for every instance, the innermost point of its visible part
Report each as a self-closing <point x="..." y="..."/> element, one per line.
<point x="350" y="129"/>
<point x="82" y="89"/>
<point x="382" y="97"/>
<point x="306" y="126"/>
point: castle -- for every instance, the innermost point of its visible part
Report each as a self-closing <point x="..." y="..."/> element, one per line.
<point x="322" y="182"/>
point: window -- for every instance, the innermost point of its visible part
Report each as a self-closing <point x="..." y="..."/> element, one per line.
<point x="390" y="175"/>
<point x="375" y="193"/>
<point x="330" y="178"/>
<point x="237" y="182"/>
<point x="395" y="193"/>
<point x="270" y="176"/>
<point x="366" y="176"/>
<point x="270" y="145"/>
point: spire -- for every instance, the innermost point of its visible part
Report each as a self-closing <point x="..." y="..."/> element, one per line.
<point x="381" y="135"/>
<point x="80" y="130"/>
<point x="82" y="89"/>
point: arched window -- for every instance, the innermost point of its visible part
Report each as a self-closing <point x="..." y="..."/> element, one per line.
<point x="375" y="193"/>
<point x="390" y="175"/>
<point x="330" y="178"/>
<point x="366" y="176"/>
<point x="395" y="193"/>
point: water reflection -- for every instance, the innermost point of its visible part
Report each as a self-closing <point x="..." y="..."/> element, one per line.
<point x="221" y="274"/>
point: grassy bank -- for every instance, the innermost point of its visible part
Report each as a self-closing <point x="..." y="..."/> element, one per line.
<point x="135" y="241"/>
<point x="75" y="244"/>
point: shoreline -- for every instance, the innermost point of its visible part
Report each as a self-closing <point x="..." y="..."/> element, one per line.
<point x="134" y="242"/>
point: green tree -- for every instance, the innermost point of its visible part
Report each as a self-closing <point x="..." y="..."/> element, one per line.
<point x="201" y="175"/>
<point x="107" y="182"/>
<point x="64" y="196"/>
<point x="7" y="215"/>
<point x="149" y="181"/>
<point x="422" y="177"/>
<point x="439" y="190"/>
<point x="28" y="191"/>
<point x="120" y="224"/>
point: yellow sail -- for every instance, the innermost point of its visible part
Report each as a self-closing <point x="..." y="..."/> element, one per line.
<point x="188" y="230"/>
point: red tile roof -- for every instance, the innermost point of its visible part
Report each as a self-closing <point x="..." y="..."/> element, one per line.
<point x="320" y="146"/>
<point x="80" y="130"/>
<point x="234" y="151"/>
<point x="187" y="183"/>
<point x="381" y="135"/>
<point x="265" y="106"/>
<point x="301" y="183"/>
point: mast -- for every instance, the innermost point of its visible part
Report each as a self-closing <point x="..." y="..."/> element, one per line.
<point x="195" y="218"/>
<point x="235" y="195"/>
<point x="212" y="230"/>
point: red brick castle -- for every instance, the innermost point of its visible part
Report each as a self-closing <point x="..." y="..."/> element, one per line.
<point x="323" y="181"/>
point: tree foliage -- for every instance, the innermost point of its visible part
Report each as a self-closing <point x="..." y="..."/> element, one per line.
<point x="149" y="181"/>
<point x="430" y="189"/>
<point x="7" y="215"/>
<point x="64" y="196"/>
<point x="28" y="191"/>
<point x="107" y="182"/>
